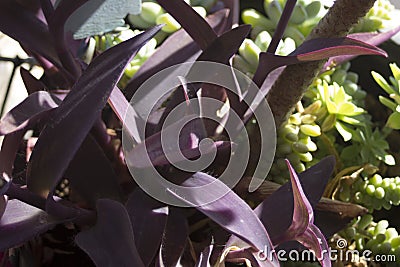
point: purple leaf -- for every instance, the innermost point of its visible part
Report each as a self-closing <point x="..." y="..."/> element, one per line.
<point x="196" y="26"/>
<point x="220" y="51"/>
<point x="126" y="114"/>
<point x="302" y="227"/>
<point x="3" y="204"/>
<point x="205" y="255"/>
<point x="8" y="152"/>
<point x="75" y="116"/>
<point x="56" y="26"/>
<point x="160" y="148"/>
<point x="32" y="84"/>
<point x="177" y="48"/>
<point x="226" y="45"/>
<point x="34" y="107"/>
<point x="280" y="203"/>
<point x="229" y="211"/>
<point x="110" y="242"/>
<point x="174" y="239"/>
<point x="282" y="24"/>
<point x="14" y="20"/>
<point x="148" y="218"/>
<point x="312" y="50"/>
<point x="22" y="222"/>
<point x="234" y="12"/>
<point x="367" y="37"/>
<point x="95" y="178"/>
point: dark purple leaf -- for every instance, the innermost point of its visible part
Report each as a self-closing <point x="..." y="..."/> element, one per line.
<point x="174" y="239"/>
<point x="22" y="222"/>
<point x="3" y="204"/>
<point x="160" y="148"/>
<point x="229" y="211"/>
<point x="312" y="50"/>
<point x="75" y="116"/>
<point x="32" y="84"/>
<point x="220" y="51"/>
<point x="14" y="20"/>
<point x="196" y="26"/>
<point x="282" y="24"/>
<point x="95" y="178"/>
<point x="234" y="12"/>
<point x="371" y="38"/>
<point x="177" y="48"/>
<point x="110" y="242"/>
<point x="8" y="152"/>
<point x="126" y="114"/>
<point x="226" y="45"/>
<point x="56" y="26"/>
<point x="148" y="218"/>
<point x="321" y="48"/>
<point x="34" y="107"/>
<point x="255" y="97"/>
<point x="280" y="203"/>
<point x="302" y="227"/>
<point x="205" y="255"/>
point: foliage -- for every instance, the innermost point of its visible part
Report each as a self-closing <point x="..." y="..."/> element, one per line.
<point x="76" y="111"/>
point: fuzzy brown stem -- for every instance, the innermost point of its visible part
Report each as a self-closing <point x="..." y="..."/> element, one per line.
<point x="295" y="79"/>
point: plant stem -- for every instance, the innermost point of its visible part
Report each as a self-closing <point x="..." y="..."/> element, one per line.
<point x="295" y="79"/>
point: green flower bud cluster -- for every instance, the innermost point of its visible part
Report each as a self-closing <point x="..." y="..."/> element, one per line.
<point x="337" y="110"/>
<point x="340" y="114"/>
<point x="248" y="57"/>
<point x="393" y="90"/>
<point x="375" y="193"/>
<point x="152" y="14"/>
<point x="380" y="16"/>
<point x="295" y="144"/>
<point x="377" y="237"/>
<point x="108" y="40"/>
<point x="305" y="16"/>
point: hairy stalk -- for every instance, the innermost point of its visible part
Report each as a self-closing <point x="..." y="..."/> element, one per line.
<point x="295" y="79"/>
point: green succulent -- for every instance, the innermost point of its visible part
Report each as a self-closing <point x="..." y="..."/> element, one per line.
<point x="393" y="90"/>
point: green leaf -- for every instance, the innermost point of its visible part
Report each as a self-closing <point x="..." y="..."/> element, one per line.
<point x="387" y="102"/>
<point x="331" y="106"/>
<point x="349" y="109"/>
<point x="394" y="121"/>
<point x="340" y="96"/>
<point x="349" y="120"/>
<point x="395" y="70"/>
<point x="382" y="83"/>
<point x="344" y="131"/>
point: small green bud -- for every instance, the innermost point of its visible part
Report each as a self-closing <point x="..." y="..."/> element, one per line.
<point x="328" y="123"/>
<point x="311" y="130"/>
<point x="299" y="15"/>
<point x="171" y="25"/>
<point x="299" y="147"/>
<point x="250" y="52"/>
<point x="379" y="193"/>
<point x="150" y="12"/>
<point x="313" y="9"/>
<point x="313" y="108"/>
